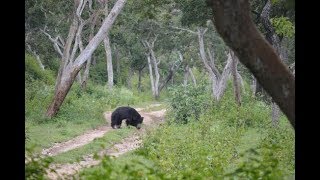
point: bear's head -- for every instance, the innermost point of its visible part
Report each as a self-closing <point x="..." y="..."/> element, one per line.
<point x="139" y="123"/>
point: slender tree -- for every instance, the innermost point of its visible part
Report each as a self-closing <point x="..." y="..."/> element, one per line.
<point x="70" y="65"/>
<point x="234" y="24"/>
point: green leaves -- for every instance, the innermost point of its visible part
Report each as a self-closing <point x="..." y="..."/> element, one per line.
<point x="188" y="102"/>
<point x="283" y="26"/>
<point x="195" y="12"/>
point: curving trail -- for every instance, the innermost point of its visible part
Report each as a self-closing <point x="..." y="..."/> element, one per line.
<point x="65" y="171"/>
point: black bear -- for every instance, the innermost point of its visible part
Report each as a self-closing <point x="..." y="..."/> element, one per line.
<point x="132" y="117"/>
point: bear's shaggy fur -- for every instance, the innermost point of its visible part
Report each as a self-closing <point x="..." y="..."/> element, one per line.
<point x="132" y="117"/>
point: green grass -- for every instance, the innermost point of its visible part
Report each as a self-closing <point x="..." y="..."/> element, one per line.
<point x="97" y="145"/>
<point x="44" y="135"/>
<point x="227" y="142"/>
<point x="80" y="111"/>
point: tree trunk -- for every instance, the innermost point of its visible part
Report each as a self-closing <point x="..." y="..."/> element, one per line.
<point x="275" y="41"/>
<point x="204" y="59"/>
<point x="222" y="83"/>
<point x="152" y="61"/>
<point x="236" y="80"/>
<point x="139" y="80"/>
<point x="151" y="75"/>
<point x="86" y="74"/>
<point x="192" y="76"/>
<point x="172" y="70"/>
<point x="107" y="47"/>
<point x="219" y="81"/>
<point x="234" y="24"/>
<point x="185" y="70"/>
<point x="92" y="59"/>
<point x="37" y="57"/>
<point x="129" y="79"/>
<point x="275" y="114"/>
<point x="156" y="72"/>
<point x="116" y="55"/>
<point x="62" y="90"/>
<point x="68" y="73"/>
<point x="79" y="78"/>
<point x="186" y="75"/>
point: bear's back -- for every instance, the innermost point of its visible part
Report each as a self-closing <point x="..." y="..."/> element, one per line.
<point x="126" y="111"/>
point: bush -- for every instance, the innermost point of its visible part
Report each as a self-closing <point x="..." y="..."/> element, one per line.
<point x="35" y="167"/>
<point x="34" y="72"/>
<point x="188" y="101"/>
<point x="137" y="168"/>
<point x="258" y="164"/>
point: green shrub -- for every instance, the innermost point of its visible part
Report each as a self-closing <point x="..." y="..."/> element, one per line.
<point x="35" y="167"/>
<point x="34" y="72"/>
<point x="258" y="164"/>
<point x="137" y="168"/>
<point x="188" y="102"/>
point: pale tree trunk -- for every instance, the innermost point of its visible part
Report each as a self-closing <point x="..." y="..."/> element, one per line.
<point x="219" y="81"/>
<point x="192" y="76"/>
<point x="174" y="67"/>
<point x="156" y="72"/>
<point x="233" y="22"/>
<point x="185" y="70"/>
<point x="129" y="78"/>
<point x="37" y="57"/>
<point x="109" y="61"/>
<point x="236" y="79"/>
<point x="139" y="80"/>
<point x="70" y="67"/>
<point x="243" y="90"/>
<point x="256" y="87"/>
<point x="79" y="78"/>
<point x="91" y="60"/>
<point x="154" y="64"/>
<point x="151" y="74"/>
<point x="222" y="83"/>
<point x="117" y="60"/>
<point x="107" y="48"/>
<point x="186" y="75"/>
<point x="140" y="76"/>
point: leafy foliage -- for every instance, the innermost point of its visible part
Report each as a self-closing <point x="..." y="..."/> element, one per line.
<point x="257" y="165"/>
<point x="188" y="101"/>
<point x="195" y="12"/>
<point x="283" y="26"/>
<point x="137" y="168"/>
<point x="35" y="168"/>
<point x="34" y="72"/>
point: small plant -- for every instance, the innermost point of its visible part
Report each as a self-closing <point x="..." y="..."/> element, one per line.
<point x="258" y="164"/>
<point x="283" y="26"/>
<point x="35" y="166"/>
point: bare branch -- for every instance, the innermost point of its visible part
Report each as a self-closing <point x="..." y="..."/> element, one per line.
<point x="183" y="29"/>
<point x="36" y="55"/>
<point x="212" y="65"/>
<point x="55" y="42"/>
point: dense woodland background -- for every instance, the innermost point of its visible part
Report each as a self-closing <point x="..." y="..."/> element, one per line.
<point x="86" y="57"/>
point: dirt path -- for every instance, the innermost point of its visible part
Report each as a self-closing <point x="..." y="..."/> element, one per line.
<point x="84" y="138"/>
<point x="65" y="171"/>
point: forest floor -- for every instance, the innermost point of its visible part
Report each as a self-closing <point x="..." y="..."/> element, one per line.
<point x="152" y="118"/>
